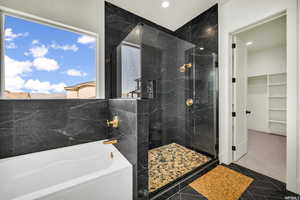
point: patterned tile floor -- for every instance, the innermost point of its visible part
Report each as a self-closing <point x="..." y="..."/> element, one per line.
<point x="169" y="162"/>
<point x="262" y="188"/>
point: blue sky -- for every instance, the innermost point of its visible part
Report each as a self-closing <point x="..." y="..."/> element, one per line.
<point x="44" y="59"/>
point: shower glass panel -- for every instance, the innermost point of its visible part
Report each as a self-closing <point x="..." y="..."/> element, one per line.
<point x="180" y="82"/>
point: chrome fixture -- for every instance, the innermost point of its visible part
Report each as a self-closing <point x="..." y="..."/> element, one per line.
<point x="114" y="123"/>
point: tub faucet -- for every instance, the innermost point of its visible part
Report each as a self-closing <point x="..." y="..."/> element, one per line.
<point x="114" y="123"/>
<point x="111" y="141"/>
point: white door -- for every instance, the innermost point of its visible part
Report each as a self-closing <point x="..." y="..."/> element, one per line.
<point x="240" y="131"/>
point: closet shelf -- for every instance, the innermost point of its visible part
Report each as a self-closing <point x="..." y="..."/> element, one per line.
<point x="277" y="109"/>
<point x="277" y="84"/>
<point x="277" y="122"/>
<point x="272" y="88"/>
<point x="277" y="97"/>
<point x="258" y="76"/>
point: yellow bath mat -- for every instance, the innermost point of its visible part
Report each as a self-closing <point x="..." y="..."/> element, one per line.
<point x="222" y="183"/>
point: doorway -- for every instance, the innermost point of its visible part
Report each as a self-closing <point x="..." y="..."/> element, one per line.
<point x="260" y="98"/>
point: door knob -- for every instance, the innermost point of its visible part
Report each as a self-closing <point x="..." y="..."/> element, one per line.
<point x="248" y="112"/>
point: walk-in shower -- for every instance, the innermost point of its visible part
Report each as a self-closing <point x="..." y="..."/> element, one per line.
<point x="180" y="82"/>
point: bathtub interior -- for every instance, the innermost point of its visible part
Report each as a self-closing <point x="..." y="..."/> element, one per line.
<point x="54" y="170"/>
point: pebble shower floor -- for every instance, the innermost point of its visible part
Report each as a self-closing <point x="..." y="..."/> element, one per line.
<point x="170" y="162"/>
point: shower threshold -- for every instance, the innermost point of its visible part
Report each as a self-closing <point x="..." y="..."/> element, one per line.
<point x="169" y="163"/>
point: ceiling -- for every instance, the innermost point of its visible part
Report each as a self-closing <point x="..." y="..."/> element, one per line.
<point x="177" y="14"/>
<point x="76" y="13"/>
<point x="270" y="34"/>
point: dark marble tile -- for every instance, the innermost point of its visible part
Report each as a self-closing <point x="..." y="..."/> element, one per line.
<point x="6" y="116"/>
<point x="30" y="126"/>
<point x="167" y="194"/>
<point x="6" y="142"/>
<point x="262" y="188"/>
<point x="202" y="30"/>
<point x="133" y="135"/>
<point x="175" y="197"/>
<point x="189" y="193"/>
<point x="128" y="105"/>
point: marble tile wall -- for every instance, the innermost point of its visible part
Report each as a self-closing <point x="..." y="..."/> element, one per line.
<point x="202" y="31"/>
<point x="133" y="139"/>
<point x="28" y="126"/>
<point x="118" y="24"/>
<point x="161" y="59"/>
<point x="158" y="64"/>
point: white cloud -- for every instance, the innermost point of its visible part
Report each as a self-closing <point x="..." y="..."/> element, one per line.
<point x="65" y="47"/>
<point x="14" y="84"/>
<point x="35" y="42"/>
<point x="37" y="86"/>
<point x="86" y="39"/>
<point x="60" y="87"/>
<point x="11" y="45"/>
<point x="75" y="72"/>
<point x="10" y="35"/>
<point x="14" y="70"/>
<point x="39" y="51"/>
<point x="45" y="64"/>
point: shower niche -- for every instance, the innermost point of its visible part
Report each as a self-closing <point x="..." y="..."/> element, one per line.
<point x="180" y="83"/>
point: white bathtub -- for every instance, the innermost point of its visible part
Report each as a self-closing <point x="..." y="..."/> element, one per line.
<point x="81" y="172"/>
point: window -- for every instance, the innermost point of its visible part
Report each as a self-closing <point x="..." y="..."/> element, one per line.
<point x="47" y="62"/>
<point x="131" y="70"/>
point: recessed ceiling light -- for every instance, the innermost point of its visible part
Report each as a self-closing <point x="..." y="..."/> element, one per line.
<point x="249" y="43"/>
<point x="165" y="4"/>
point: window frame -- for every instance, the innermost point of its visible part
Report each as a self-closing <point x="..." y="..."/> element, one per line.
<point x="131" y="45"/>
<point x="43" y="21"/>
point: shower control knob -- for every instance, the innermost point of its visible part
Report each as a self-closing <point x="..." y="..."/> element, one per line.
<point x="189" y="102"/>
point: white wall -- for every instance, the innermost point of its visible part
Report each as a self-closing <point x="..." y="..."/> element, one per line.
<point x="267" y="61"/>
<point x="235" y="15"/>
<point x="258" y="104"/>
<point x="83" y="14"/>
<point x="262" y="62"/>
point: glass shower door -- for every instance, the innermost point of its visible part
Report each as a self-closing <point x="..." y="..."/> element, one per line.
<point x="179" y="81"/>
<point x="170" y="72"/>
<point x="204" y="115"/>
